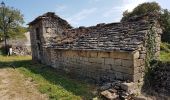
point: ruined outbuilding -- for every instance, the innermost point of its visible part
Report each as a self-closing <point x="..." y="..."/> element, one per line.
<point x="105" y="52"/>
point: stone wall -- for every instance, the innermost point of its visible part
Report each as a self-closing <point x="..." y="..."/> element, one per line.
<point x="95" y="65"/>
<point x="34" y="42"/>
<point x="140" y="63"/>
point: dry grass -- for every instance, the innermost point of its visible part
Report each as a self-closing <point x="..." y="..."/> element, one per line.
<point x="48" y="81"/>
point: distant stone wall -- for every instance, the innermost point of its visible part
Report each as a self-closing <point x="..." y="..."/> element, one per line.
<point x="95" y="65"/>
<point x="21" y="50"/>
<point x="20" y="46"/>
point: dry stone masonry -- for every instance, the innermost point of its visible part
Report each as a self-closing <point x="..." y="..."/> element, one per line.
<point x="101" y="53"/>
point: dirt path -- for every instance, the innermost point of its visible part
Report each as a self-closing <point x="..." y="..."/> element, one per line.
<point x="13" y="86"/>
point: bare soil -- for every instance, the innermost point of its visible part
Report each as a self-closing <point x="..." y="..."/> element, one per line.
<point x="14" y="86"/>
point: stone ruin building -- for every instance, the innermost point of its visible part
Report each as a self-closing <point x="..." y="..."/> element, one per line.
<point x="105" y="52"/>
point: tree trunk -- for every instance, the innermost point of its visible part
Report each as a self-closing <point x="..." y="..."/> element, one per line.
<point x="6" y="49"/>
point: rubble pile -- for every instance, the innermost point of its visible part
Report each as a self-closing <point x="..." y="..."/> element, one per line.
<point x="119" y="90"/>
<point x="21" y="50"/>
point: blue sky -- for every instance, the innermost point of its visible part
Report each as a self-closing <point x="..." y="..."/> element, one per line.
<point x="79" y="12"/>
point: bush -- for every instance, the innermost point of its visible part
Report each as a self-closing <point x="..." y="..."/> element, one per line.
<point x="2" y="49"/>
<point x="156" y="79"/>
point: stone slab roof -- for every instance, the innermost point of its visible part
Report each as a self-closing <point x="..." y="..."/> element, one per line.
<point x="114" y="36"/>
<point x="47" y="15"/>
<point x="124" y="36"/>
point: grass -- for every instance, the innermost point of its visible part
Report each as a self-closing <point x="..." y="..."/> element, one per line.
<point x="164" y="56"/>
<point x="165" y="52"/>
<point x="56" y="85"/>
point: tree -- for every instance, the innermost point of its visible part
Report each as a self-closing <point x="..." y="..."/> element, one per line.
<point x="142" y="9"/>
<point x="165" y="23"/>
<point x="152" y="7"/>
<point x="10" y="19"/>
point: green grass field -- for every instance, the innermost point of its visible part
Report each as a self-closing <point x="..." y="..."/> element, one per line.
<point x="56" y="86"/>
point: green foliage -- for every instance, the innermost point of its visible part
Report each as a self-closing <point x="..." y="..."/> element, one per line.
<point x="152" y="7"/>
<point x="11" y="21"/>
<point x="165" y="23"/>
<point x="165" y="47"/>
<point x="150" y="50"/>
<point x="165" y="56"/>
<point x="165" y="52"/>
<point x="56" y="85"/>
<point x="1" y="51"/>
<point x="18" y="32"/>
<point x="156" y="64"/>
<point x="142" y="9"/>
<point x="146" y="8"/>
<point x="155" y="81"/>
<point x="156" y="72"/>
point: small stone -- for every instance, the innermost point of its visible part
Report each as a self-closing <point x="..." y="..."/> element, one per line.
<point x="117" y="83"/>
<point x="109" y="95"/>
<point x="125" y="96"/>
<point x="117" y="87"/>
<point x="129" y="87"/>
<point x="140" y="98"/>
<point x="105" y="86"/>
<point x="112" y="90"/>
<point x="95" y="98"/>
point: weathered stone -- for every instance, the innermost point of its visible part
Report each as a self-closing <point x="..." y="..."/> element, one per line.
<point x="109" y="61"/>
<point x="97" y="60"/>
<point x="107" y="67"/>
<point x="137" y="63"/>
<point x="129" y="87"/>
<point x="106" y="86"/>
<point x="112" y="90"/>
<point x="93" y="54"/>
<point x="141" y="98"/>
<point x="118" y="62"/>
<point x="142" y="56"/>
<point x="119" y="75"/>
<point x="127" y="63"/>
<point x="137" y="77"/>
<point x="108" y="95"/>
<point x="125" y="96"/>
<point x="83" y="54"/>
<point x="136" y="55"/>
<point x="103" y="55"/>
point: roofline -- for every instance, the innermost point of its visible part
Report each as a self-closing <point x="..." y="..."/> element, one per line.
<point x="39" y="18"/>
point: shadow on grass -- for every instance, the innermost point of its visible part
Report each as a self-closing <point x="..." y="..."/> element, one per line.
<point x="50" y="74"/>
